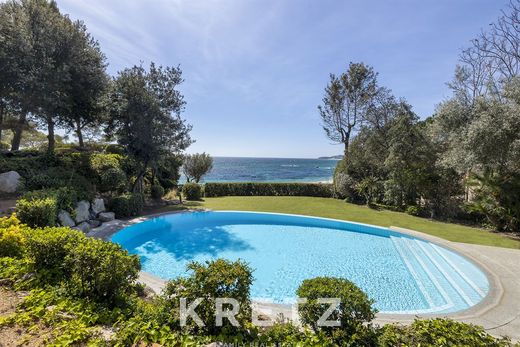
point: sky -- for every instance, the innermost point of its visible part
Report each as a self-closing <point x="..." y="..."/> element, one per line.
<point x="255" y="70"/>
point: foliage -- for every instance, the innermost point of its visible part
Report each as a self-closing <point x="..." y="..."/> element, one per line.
<point x="347" y="101"/>
<point x="157" y="191"/>
<point x="215" y="279"/>
<point x="101" y="271"/>
<point x="145" y="108"/>
<point x="354" y="311"/>
<point x="37" y="212"/>
<point x="195" y="166"/>
<point x="192" y="191"/>
<point x="48" y="248"/>
<point x="438" y="332"/>
<point x="11" y="237"/>
<point x="267" y="189"/>
<point x="127" y="205"/>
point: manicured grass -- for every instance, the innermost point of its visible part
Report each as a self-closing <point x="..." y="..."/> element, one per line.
<point x="333" y="208"/>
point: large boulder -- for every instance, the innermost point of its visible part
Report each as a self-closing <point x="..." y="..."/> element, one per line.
<point x="82" y="211"/>
<point x="83" y="227"/>
<point x="98" y="206"/>
<point x="106" y="216"/>
<point x="65" y="219"/>
<point x="94" y="223"/>
<point x="9" y="181"/>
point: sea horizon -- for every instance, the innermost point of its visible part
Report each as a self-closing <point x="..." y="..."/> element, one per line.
<point x="269" y="170"/>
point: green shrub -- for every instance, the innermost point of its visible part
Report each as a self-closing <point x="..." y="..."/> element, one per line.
<point x="157" y="191"/>
<point x="413" y="210"/>
<point x="101" y="271"/>
<point x="127" y="205"/>
<point x="267" y="189"/>
<point x="214" y="279"/>
<point x="11" y="237"/>
<point x="48" y="248"/>
<point x="354" y="312"/>
<point x="37" y="212"/>
<point x="112" y="180"/>
<point x="192" y="191"/>
<point x="438" y="332"/>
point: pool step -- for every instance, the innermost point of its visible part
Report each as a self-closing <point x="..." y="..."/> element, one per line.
<point x="434" y="267"/>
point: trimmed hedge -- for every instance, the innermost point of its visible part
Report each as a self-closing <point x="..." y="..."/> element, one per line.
<point x="323" y="190"/>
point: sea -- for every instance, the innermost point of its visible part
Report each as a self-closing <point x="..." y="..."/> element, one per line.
<point x="228" y="169"/>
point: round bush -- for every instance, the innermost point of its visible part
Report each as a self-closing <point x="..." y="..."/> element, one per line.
<point x="126" y="205"/>
<point x="192" y="191"/>
<point x="48" y="247"/>
<point x="37" y="212"/>
<point x="101" y="271"/>
<point x="353" y="312"/>
<point x="157" y="192"/>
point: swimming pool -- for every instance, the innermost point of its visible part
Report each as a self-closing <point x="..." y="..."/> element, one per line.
<point x="401" y="273"/>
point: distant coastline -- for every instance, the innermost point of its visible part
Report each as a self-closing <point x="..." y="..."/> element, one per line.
<point x="334" y="157"/>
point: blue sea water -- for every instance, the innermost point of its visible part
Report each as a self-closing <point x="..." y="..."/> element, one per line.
<point x="228" y="169"/>
<point x="401" y="273"/>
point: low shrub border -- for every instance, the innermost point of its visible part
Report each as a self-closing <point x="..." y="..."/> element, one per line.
<point x="322" y="190"/>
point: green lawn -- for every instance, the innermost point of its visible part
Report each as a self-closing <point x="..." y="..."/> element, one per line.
<point x="333" y="208"/>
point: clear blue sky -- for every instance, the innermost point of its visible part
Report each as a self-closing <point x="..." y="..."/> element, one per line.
<point x="255" y="69"/>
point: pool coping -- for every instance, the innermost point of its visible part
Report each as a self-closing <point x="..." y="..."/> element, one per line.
<point x="491" y="312"/>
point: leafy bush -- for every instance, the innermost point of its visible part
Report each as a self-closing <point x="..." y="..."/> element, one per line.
<point x="107" y="168"/>
<point x="11" y="237"/>
<point x="413" y="210"/>
<point x="214" y="279"/>
<point x="47" y="248"/>
<point x="126" y="205"/>
<point x="37" y="212"/>
<point x="438" y="332"/>
<point x="354" y="311"/>
<point x="192" y="191"/>
<point x="267" y="189"/>
<point x="4" y="146"/>
<point x="157" y="191"/>
<point x="101" y="271"/>
<point x="112" y="180"/>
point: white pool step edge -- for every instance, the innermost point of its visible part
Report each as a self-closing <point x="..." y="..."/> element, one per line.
<point x="442" y="269"/>
<point x="399" y="242"/>
<point x="459" y="271"/>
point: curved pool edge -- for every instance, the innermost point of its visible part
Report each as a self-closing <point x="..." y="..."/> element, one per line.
<point x="476" y="314"/>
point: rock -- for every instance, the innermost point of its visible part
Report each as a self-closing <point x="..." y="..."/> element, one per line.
<point x="82" y="212"/>
<point x="9" y="182"/>
<point x="94" y="223"/>
<point x="84" y="227"/>
<point x="98" y="206"/>
<point x="106" y="216"/>
<point x="65" y="219"/>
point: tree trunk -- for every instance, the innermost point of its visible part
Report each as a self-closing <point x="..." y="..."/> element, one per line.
<point x="345" y="152"/>
<point x="50" y="135"/>
<point x="79" y="134"/>
<point x="1" y="119"/>
<point x="137" y="187"/>
<point x="17" y="131"/>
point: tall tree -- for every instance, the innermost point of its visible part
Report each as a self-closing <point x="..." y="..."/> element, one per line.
<point x="348" y="98"/>
<point x="145" y="115"/>
<point x="88" y="82"/>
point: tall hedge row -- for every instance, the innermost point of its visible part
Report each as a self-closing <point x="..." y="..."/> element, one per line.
<point x="268" y="189"/>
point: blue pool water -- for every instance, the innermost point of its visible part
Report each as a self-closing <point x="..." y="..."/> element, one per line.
<point x="401" y="273"/>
